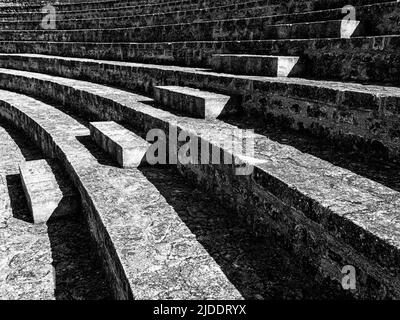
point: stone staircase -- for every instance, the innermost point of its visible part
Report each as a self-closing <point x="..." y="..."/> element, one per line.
<point x="116" y="78"/>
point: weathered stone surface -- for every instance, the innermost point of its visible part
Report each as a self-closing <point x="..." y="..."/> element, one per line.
<point x="25" y="254"/>
<point x="122" y="8"/>
<point x="353" y="59"/>
<point x="48" y="192"/>
<point x="342" y="112"/>
<point x="269" y="66"/>
<point x="322" y="215"/>
<point x="116" y="9"/>
<point x="128" y="18"/>
<point x="378" y="17"/>
<point x="128" y="149"/>
<point x="190" y="101"/>
<point x="40" y="262"/>
<point x="307" y="203"/>
<point x="226" y="30"/>
<point x="148" y="251"/>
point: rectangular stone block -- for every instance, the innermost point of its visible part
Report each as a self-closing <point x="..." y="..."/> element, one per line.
<point x="48" y="191"/>
<point x="250" y="64"/>
<point x="192" y="102"/>
<point x="128" y="149"/>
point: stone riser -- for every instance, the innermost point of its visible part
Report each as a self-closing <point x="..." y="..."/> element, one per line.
<point x="123" y="8"/>
<point x="268" y="66"/>
<point x="306" y="238"/>
<point x="96" y="5"/>
<point x="253" y="29"/>
<point x="191" y="102"/>
<point x="49" y="194"/>
<point x="312" y="106"/>
<point x="247" y="9"/>
<point x="116" y="229"/>
<point x="376" y="19"/>
<point x="288" y="7"/>
<point x="353" y="60"/>
<point x="128" y="149"/>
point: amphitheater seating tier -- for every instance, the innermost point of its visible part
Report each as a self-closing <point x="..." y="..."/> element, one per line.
<point x="85" y="82"/>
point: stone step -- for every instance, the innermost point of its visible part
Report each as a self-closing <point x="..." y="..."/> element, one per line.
<point x="90" y="5"/>
<point x="48" y="192"/>
<point x="279" y="8"/>
<point x="128" y="149"/>
<point x="148" y="251"/>
<point x="320" y="211"/>
<point x="19" y="241"/>
<point x="100" y="9"/>
<point x="190" y="101"/>
<point x="270" y="66"/>
<point x="316" y="54"/>
<point x="228" y="30"/>
<point x="377" y="18"/>
<point x="342" y="112"/>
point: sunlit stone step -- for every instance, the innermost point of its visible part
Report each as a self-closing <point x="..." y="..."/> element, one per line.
<point x="48" y="192"/>
<point x="190" y="101"/>
<point x="263" y="65"/>
<point x="128" y="149"/>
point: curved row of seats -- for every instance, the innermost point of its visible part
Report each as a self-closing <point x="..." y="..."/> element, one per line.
<point x="313" y="197"/>
<point x="270" y="15"/>
<point x="230" y="69"/>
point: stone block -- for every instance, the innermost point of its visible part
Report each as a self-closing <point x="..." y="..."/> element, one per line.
<point x="49" y="194"/>
<point x="128" y="149"/>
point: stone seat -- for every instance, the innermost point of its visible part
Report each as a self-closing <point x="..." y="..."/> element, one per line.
<point x="148" y="252"/>
<point x="48" y="192"/>
<point x="307" y="104"/>
<point x="20" y="279"/>
<point x="190" y="101"/>
<point x="202" y="31"/>
<point x="337" y="210"/>
<point x="315" y="53"/>
<point x="381" y="15"/>
<point x="269" y="8"/>
<point x="130" y="19"/>
<point x="269" y="66"/>
<point x="84" y="5"/>
<point x="125" y="147"/>
<point x="104" y="10"/>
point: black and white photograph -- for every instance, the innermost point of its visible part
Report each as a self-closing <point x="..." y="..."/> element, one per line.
<point x="201" y="155"/>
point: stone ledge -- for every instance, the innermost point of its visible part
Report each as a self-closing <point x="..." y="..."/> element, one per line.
<point x="128" y="149"/>
<point x="262" y="65"/>
<point x="143" y="248"/>
<point x="49" y="194"/>
<point x="227" y="30"/>
<point x="192" y="102"/>
<point x="310" y="102"/>
<point x="354" y="58"/>
<point x="308" y="203"/>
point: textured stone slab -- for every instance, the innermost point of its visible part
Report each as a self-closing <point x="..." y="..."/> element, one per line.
<point x="307" y="104"/>
<point x="49" y="194"/>
<point x="307" y="198"/>
<point x="190" y="101"/>
<point x="270" y="66"/>
<point x="26" y="271"/>
<point x="227" y="30"/>
<point x="147" y="250"/>
<point x="128" y="149"/>
<point x="119" y="9"/>
<point x="127" y="18"/>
